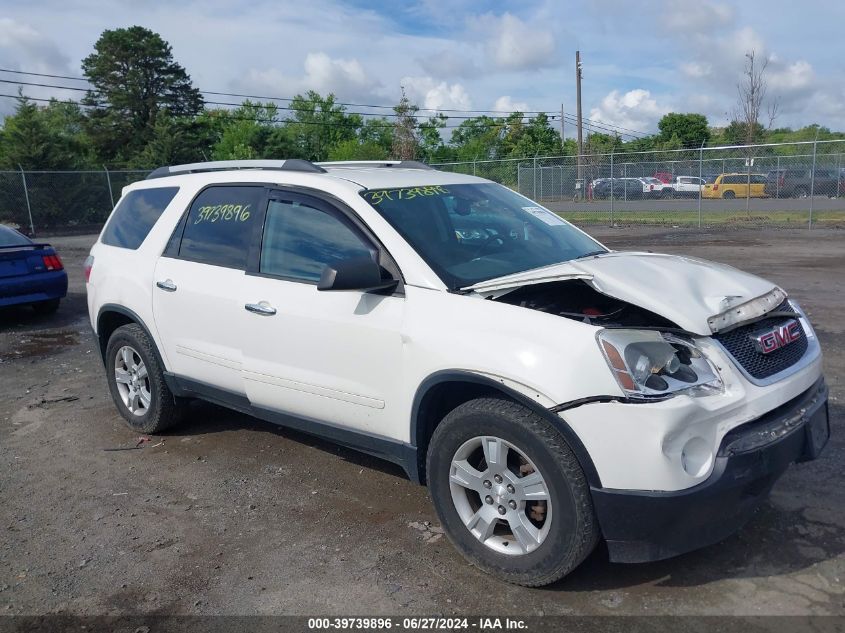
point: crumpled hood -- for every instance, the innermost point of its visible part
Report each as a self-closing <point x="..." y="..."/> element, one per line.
<point x="697" y="295"/>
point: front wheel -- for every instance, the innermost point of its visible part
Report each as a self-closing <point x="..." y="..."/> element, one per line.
<point x="729" y="195"/>
<point x="510" y="493"/>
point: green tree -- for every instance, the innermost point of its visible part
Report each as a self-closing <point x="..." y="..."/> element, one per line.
<point x="318" y="124"/>
<point x="48" y="137"/>
<point x="691" y="130"/>
<point x="431" y="145"/>
<point x="354" y="149"/>
<point x="134" y="78"/>
<point x="245" y="131"/>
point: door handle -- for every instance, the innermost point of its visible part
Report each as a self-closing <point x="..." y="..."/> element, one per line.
<point x="263" y="308"/>
<point x="167" y="285"/>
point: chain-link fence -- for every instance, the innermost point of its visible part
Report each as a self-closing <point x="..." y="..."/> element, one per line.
<point x="61" y="201"/>
<point x="788" y="184"/>
<point x="772" y="184"/>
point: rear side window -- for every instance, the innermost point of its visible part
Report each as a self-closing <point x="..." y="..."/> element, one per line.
<point x="220" y="225"/>
<point x="135" y="216"/>
<point x="10" y="237"/>
<point x="300" y="240"/>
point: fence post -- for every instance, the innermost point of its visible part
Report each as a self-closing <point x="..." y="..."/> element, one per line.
<point x="473" y="165"/>
<point x="26" y="197"/>
<point x="534" y="171"/>
<point x="108" y="181"/>
<point x="813" y="180"/>
<point x="838" y="173"/>
<point x="612" y="187"/>
<point x="700" y="186"/>
<point x="777" y="180"/>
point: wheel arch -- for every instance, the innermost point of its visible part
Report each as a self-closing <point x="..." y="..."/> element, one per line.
<point x="112" y="316"/>
<point x="442" y="391"/>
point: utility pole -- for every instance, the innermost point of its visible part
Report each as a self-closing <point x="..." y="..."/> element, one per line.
<point x="578" y="106"/>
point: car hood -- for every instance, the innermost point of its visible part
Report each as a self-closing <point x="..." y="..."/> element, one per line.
<point x="699" y="296"/>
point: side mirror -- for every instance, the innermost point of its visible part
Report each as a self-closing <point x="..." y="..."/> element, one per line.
<point x="355" y="274"/>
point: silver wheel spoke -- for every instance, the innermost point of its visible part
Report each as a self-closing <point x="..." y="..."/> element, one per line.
<point x="525" y="532"/>
<point x="142" y="371"/>
<point x="495" y="453"/>
<point x="465" y="475"/>
<point x="145" y="398"/>
<point x="121" y="376"/>
<point x="126" y="354"/>
<point x="533" y="487"/>
<point x="483" y="522"/>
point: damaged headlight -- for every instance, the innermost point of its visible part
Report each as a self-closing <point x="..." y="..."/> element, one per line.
<point x="650" y="364"/>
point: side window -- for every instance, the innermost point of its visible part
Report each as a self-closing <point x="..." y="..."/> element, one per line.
<point x="300" y="240"/>
<point x="135" y="216"/>
<point x="220" y="226"/>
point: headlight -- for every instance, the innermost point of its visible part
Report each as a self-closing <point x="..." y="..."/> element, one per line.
<point x="650" y="364"/>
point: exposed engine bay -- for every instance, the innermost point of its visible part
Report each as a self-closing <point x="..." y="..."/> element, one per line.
<point x="575" y="299"/>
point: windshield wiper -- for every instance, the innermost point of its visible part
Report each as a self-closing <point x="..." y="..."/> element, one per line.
<point x="590" y="254"/>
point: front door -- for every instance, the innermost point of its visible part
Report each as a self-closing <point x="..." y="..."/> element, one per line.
<point x="332" y="356"/>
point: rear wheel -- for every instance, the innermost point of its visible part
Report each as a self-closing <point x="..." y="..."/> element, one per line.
<point x="729" y="195"/>
<point x="136" y="382"/>
<point x="801" y="192"/>
<point x="667" y="193"/>
<point x="46" y="307"/>
<point x="510" y="493"/>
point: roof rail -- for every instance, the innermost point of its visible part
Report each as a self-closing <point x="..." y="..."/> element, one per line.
<point x="357" y="164"/>
<point x="290" y="164"/>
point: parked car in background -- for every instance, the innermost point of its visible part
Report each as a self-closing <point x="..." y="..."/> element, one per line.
<point x="664" y="176"/>
<point x="623" y="188"/>
<point x="652" y="187"/>
<point x="799" y="182"/>
<point x="687" y="186"/>
<point x="736" y="186"/>
<point x="30" y="273"/>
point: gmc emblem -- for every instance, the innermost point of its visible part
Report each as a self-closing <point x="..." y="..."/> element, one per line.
<point x="782" y="335"/>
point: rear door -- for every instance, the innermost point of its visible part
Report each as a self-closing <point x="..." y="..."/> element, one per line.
<point x="198" y="281"/>
<point x="333" y="356"/>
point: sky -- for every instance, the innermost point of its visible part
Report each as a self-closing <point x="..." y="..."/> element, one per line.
<point x="640" y="59"/>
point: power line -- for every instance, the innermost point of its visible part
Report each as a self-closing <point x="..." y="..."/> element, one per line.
<point x="598" y="124"/>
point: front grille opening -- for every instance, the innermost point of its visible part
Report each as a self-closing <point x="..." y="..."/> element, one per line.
<point x="739" y="345"/>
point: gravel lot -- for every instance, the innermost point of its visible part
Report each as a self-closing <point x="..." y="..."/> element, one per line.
<point x="231" y="515"/>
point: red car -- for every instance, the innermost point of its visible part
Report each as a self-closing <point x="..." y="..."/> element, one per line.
<point x="664" y="176"/>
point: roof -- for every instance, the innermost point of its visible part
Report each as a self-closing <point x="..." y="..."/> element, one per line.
<point x="365" y="174"/>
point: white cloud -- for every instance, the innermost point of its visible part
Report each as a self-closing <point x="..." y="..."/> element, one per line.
<point x="694" y="15"/>
<point x="635" y="110"/>
<point x="429" y="93"/>
<point x="456" y="62"/>
<point x="507" y="104"/>
<point x="345" y="78"/>
<point x="515" y="45"/>
<point x="696" y="70"/>
<point x="21" y="42"/>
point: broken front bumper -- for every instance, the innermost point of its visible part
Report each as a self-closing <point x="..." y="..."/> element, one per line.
<point x="642" y="526"/>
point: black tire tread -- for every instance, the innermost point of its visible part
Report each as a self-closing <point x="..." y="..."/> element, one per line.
<point x="534" y="423"/>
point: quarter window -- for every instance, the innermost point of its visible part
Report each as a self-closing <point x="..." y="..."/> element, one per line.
<point x="220" y="225"/>
<point x="135" y="215"/>
<point x="299" y="241"/>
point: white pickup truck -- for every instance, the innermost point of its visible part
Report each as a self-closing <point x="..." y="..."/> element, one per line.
<point x="682" y="186"/>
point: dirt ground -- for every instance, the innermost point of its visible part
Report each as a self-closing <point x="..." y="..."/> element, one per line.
<point x="231" y="515"/>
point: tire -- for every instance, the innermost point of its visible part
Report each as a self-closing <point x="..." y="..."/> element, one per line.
<point x="667" y="193"/>
<point x="800" y="192"/>
<point x="152" y="408"/>
<point x="562" y="530"/>
<point x="46" y="307"/>
<point x="729" y="195"/>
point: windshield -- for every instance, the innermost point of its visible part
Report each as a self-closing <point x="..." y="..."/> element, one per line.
<point x="473" y="233"/>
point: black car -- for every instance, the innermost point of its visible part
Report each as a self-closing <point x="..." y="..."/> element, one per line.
<point x="798" y="183"/>
<point x="623" y="188"/>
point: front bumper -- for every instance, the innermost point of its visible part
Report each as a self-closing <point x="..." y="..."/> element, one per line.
<point x="641" y="526"/>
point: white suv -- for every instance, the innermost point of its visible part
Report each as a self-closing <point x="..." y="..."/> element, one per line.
<point x="549" y="391"/>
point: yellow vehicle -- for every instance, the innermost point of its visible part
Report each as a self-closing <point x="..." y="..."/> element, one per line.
<point x="735" y="186"/>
